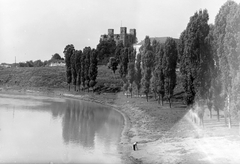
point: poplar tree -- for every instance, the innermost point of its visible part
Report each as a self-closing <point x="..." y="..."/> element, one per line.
<point x="160" y="79"/>
<point x="78" y="55"/>
<point x="73" y="69"/>
<point x="227" y="40"/>
<point x="147" y="63"/>
<point x="93" y="68"/>
<point x="138" y="73"/>
<point x="83" y="70"/>
<point x="195" y="59"/>
<point x="131" y="69"/>
<point x="87" y="54"/>
<point x="147" y="72"/>
<point x="68" y="51"/>
<point x="124" y="64"/>
<point x="170" y="63"/>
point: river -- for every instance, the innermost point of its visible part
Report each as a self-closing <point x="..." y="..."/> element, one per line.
<point x="37" y="129"/>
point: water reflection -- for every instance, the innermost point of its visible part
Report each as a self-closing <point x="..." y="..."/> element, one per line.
<point x="76" y="130"/>
<point x="82" y="122"/>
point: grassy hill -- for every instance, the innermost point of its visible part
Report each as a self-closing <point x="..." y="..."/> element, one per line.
<point x="51" y="77"/>
<point x="55" y="77"/>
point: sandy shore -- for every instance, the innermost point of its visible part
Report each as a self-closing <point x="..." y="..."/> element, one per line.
<point x="164" y="135"/>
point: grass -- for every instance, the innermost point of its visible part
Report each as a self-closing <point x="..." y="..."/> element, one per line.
<point x="52" y="77"/>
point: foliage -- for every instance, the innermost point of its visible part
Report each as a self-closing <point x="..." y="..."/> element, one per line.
<point x="124" y="63"/>
<point x="73" y="69"/>
<point x="195" y="59"/>
<point x="105" y="49"/>
<point x="93" y="72"/>
<point x="112" y="64"/>
<point x="87" y="54"/>
<point x="169" y="67"/>
<point x="56" y="56"/>
<point x="78" y="56"/>
<point x="138" y="73"/>
<point x="68" y="51"/>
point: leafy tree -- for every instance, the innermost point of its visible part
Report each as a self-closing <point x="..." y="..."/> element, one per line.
<point x="83" y="70"/>
<point x="87" y="54"/>
<point x="147" y="71"/>
<point x="147" y="65"/>
<point x="170" y="58"/>
<point x="124" y="64"/>
<point x="138" y="73"/>
<point x="38" y="63"/>
<point x="226" y="32"/>
<point x="29" y="63"/>
<point x="112" y="64"/>
<point x="195" y="60"/>
<point x="160" y="79"/>
<point x="118" y="51"/>
<point x="74" y="70"/>
<point x="146" y="81"/>
<point x="56" y="56"/>
<point x="93" y="68"/>
<point x="68" y="51"/>
<point x="78" y="56"/>
<point x="105" y="49"/>
<point x="131" y="75"/>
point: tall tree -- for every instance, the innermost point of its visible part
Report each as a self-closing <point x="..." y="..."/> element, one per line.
<point x="138" y="74"/>
<point x="87" y="54"/>
<point x="159" y="69"/>
<point x="73" y="69"/>
<point x="124" y="64"/>
<point x="170" y="58"/>
<point x="225" y="31"/>
<point x="195" y="59"/>
<point x="131" y="69"/>
<point x="68" y="51"/>
<point x="78" y="55"/>
<point x="83" y="70"/>
<point x="147" y="72"/>
<point x="147" y="65"/>
<point x="93" y="68"/>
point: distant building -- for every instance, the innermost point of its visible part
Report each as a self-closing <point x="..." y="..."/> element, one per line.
<point x="54" y="63"/>
<point x="5" y="65"/>
<point x="127" y="39"/>
<point x="158" y="39"/>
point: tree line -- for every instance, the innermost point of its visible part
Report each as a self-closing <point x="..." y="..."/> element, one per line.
<point x="207" y="56"/>
<point x="81" y="67"/>
<point x="208" y="59"/>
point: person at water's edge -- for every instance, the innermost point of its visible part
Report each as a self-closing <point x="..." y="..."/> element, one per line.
<point x="135" y="146"/>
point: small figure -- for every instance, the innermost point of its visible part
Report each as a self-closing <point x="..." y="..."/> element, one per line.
<point x="135" y="146"/>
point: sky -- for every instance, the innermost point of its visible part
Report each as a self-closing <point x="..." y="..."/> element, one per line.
<point x="37" y="29"/>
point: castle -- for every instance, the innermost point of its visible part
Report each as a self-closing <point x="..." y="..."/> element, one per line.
<point x="128" y="39"/>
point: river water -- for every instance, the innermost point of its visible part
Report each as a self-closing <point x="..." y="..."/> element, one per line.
<point x="36" y="129"/>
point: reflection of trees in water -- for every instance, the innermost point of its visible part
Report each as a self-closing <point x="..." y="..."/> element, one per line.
<point x="82" y="120"/>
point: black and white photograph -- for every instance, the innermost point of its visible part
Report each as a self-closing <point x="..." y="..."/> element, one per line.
<point x="120" y="81"/>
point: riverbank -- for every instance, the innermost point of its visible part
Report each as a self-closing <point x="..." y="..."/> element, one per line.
<point x="164" y="135"/>
<point x="168" y="135"/>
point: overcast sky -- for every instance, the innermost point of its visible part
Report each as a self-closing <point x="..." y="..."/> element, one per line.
<point x="36" y="29"/>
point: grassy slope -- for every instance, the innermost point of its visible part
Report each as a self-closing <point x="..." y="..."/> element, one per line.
<point x="52" y="77"/>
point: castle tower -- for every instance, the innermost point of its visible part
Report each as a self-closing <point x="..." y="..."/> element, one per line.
<point x="111" y="32"/>
<point x="123" y="35"/>
<point x="133" y="35"/>
<point x="123" y="30"/>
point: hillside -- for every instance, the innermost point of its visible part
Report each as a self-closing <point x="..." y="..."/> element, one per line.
<point x="51" y="77"/>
